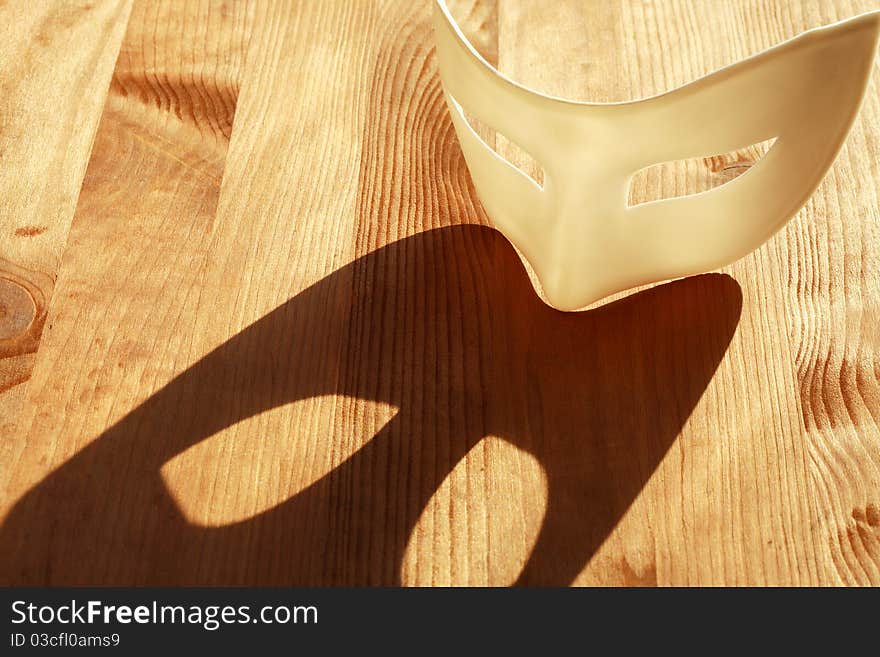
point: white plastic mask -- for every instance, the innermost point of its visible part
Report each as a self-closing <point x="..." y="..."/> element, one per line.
<point x="577" y="232"/>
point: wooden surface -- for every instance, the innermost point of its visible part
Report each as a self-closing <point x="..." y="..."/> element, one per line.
<point x="285" y="348"/>
<point x="55" y="63"/>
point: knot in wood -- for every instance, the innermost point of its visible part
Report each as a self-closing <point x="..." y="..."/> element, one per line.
<point x="17" y="309"/>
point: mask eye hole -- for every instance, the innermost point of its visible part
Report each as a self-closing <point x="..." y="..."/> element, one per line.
<point x="692" y="176"/>
<point x="507" y="149"/>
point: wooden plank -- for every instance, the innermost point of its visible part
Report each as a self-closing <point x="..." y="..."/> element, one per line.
<point x="831" y="260"/>
<point x="342" y="376"/>
<point x="55" y="65"/>
<point x="136" y="249"/>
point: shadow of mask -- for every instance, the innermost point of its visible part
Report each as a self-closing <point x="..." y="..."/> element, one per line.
<point x="444" y="326"/>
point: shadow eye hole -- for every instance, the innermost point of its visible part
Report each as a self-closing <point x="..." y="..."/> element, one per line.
<point x="677" y="178"/>
<point x="507" y="149"/>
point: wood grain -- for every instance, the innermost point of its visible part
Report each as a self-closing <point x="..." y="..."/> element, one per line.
<point x="831" y="264"/>
<point x="143" y="222"/>
<point x="55" y="65"/>
<point x="285" y="348"/>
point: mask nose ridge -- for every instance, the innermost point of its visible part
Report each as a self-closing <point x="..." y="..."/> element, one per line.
<point x="582" y="241"/>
